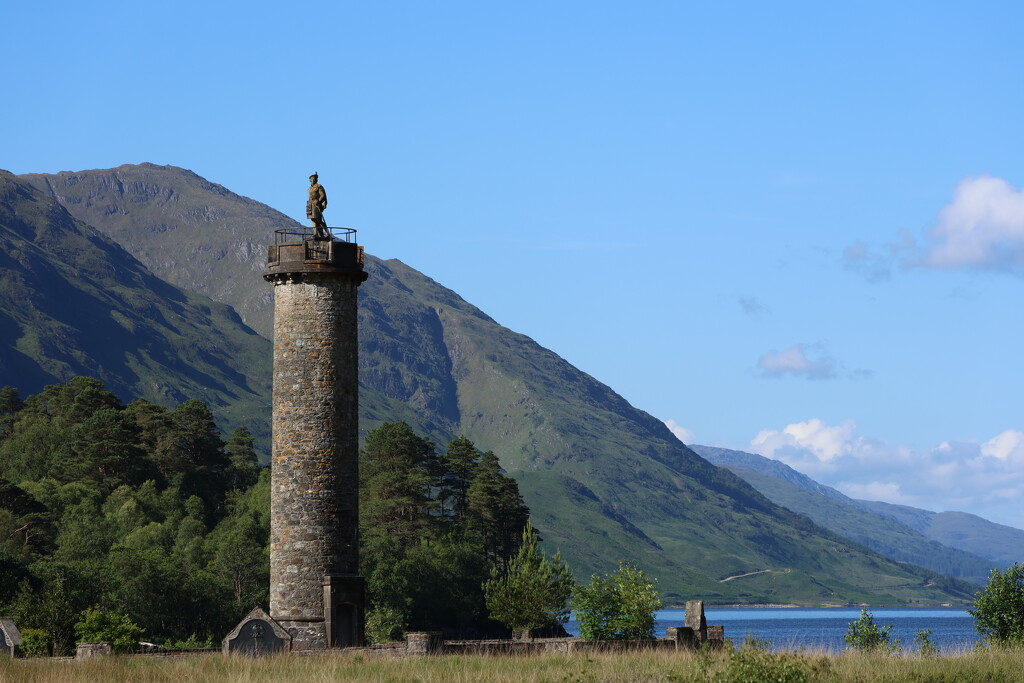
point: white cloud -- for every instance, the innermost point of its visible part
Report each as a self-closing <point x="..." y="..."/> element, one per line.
<point x="796" y="361"/>
<point x="1008" y="444"/>
<point x="982" y="228"/>
<point x="681" y="432"/>
<point x="887" y="492"/>
<point x="808" y="443"/>
<point x="985" y="478"/>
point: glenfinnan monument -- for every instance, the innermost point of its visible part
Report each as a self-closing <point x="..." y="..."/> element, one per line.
<point x="316" y="592"/>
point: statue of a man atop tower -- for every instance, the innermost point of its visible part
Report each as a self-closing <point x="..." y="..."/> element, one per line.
<point x="315" y="206"/>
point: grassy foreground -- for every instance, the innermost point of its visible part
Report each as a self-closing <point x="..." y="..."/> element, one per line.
<point x="743" y="665"/>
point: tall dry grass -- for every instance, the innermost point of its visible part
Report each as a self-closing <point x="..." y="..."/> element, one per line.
<point x="990" y="666"/>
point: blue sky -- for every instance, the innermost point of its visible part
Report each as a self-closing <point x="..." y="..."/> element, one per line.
<point x="795" y="228"/>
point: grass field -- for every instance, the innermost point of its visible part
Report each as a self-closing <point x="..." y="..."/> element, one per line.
<point x="991" y="666"/>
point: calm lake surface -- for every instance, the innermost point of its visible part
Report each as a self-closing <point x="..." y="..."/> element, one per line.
<point x="823" y="628"/>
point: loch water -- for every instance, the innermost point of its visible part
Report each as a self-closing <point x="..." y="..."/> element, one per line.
<point x="952" y="628"/>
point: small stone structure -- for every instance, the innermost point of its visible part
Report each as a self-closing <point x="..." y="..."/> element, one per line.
<point x="423" y="642"/>
<point x="10" y="636"/>
<point x="682" y="636"/>
<point x="257" y="635"/>
<point x="715" y="637"/>
<point x="695" y="619"/>
<point x="90" y="650"/>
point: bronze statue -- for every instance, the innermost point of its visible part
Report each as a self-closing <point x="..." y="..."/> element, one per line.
<point x="315" y="206"/>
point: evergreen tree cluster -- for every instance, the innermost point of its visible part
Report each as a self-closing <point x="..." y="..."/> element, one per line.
<point x="134" y="510"/>
<point x="432" y="525"/>
<point x="147" y="513"/>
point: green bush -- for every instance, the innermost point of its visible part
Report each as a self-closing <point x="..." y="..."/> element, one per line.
<point x="926" y="647"/>
<point x="384" y="624"/>
<point x="756" y="665"/>
<point x="999" y="607"/>
<point x="35" y="642"/>
<point x="867" y="636"/>
<point x="191" y="643"/>
<point x="98" y="625"/>
<point x="617" y="606"/>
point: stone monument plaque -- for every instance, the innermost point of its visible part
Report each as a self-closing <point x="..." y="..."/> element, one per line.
<point x="257" y="635"/>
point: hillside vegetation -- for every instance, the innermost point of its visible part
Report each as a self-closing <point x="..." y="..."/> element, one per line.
<point x="962" y="545"/>
<point x="604" y="480"/>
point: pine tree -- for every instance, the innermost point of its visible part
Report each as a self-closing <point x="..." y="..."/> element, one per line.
<point x="496" y="510"/>
<point x="10" y="403"/>
<point x="395" y="498"/>
<point x="243" y="467"/>
<point x="457" y="465"/>
<point x="534" y="591"/>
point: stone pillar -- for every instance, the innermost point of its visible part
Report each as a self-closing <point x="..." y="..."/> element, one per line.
<point x="695" y="619"/>
<point x="90" y="650"/>
<point x="423" y="642"/>
<point x="314" y="499"/>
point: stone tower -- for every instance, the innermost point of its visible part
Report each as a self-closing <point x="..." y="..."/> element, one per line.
<point x="316" y="592"/>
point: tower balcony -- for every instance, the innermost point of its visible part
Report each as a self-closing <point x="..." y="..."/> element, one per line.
<point x="299" y="250"/>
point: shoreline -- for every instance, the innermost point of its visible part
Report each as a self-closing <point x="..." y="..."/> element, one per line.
<point x="863" y="605"/>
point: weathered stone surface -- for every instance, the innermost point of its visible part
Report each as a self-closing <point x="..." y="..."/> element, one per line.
<point x="695" y="619"/>
<point x="682" y="636"/>
<point x="88" y="650"/>
<point x="424" y="642"/>
<point x="715" y="636"/>
<point x="10" y="636"/>
<point x="257" y="635"/>
<point x="314" y="503"/>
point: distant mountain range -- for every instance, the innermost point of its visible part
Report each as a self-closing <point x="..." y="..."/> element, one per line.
<point x="955" y="543"/>
<point x="605" y="481"/>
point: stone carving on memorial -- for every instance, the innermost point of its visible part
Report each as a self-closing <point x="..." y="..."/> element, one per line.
<point x="257" y="635"/>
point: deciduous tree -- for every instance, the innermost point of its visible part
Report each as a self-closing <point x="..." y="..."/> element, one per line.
<point x="999" y="607"/>
<point x="617" y="606"/>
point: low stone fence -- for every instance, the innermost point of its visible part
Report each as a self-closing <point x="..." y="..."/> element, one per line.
<point x="676" y="637"/>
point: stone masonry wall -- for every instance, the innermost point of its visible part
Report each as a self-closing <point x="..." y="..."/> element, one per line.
<point x="314" y="476"/>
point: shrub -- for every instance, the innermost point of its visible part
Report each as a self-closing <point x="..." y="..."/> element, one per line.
<point x="35" y="642"/>
<point x="926" y="647"/>
<point x="384" y="624"/>
<point x="98" y="625"/>
<point x="191" y="643"/>
<point x="617" y="606"/>
<point x="999" y="607"/>
<point x="867" y="636"/>
<point x="757" y="665"/>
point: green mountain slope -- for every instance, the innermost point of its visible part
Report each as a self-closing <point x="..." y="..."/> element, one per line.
<point x="73" y="302"/>
<point x="605" y="481"/>
<point x="853" y="519"/>
<point x="970" y="533"/>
